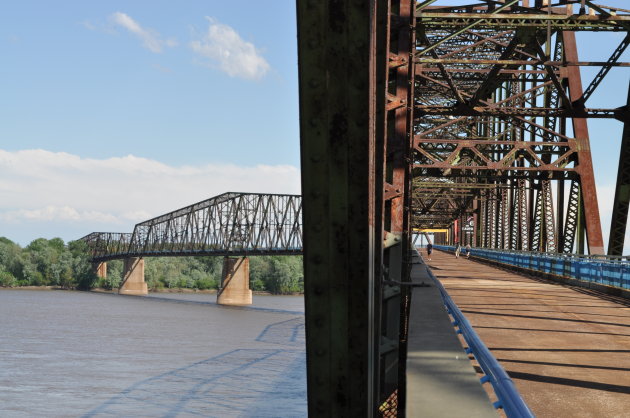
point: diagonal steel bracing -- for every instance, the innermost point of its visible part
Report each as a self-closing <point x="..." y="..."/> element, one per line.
<point x="228" y="224"/>
<point x="520" y="122"/>
<point x="621" y="202"/>
<point x="424" y="115"/>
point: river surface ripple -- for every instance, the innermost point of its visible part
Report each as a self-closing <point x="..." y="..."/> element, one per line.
<point x="65" y="353"/>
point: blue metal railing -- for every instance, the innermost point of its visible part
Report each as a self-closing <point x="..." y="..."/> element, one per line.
<point x="607" y="271"/>
<point x="509" y="399"/>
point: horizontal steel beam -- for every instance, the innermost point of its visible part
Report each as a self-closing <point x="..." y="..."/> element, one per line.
<point x="463" y="110"/>
<point x="506" y="21"/>
<point x="531" y="62"/>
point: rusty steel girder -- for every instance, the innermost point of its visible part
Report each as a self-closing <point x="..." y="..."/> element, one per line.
<point x="425" y="115"/>
<point x="499" y="102"/>
<point x="356" y="124"/>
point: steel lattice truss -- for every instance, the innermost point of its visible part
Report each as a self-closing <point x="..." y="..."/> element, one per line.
<point x="500" y="119"/>
<point x="421" y="115"/>
<point x="228" y="224"/>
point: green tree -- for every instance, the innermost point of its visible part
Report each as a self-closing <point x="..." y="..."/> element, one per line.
<point x="276" y="274"/>
<point x="10" y="257"/>
<point x="83" y="275"/>
<point x="51" y="262"/>
<point x="114" y="275"/>
<point x="285" y="276"/>
<point x="31" y="276"/>
<point x="45" y="255"/>
<point x="7" y="279"/>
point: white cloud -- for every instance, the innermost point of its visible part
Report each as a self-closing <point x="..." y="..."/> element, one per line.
<point x="89" y="25"/>
<point x="57" y="213"/>
<point x="222" y="45"/>
<point x="151" y="39"/>
<point x="61" y="191"/>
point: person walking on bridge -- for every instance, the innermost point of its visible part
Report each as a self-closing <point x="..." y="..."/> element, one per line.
<point x="458" y="249"/>
<point x="429" y="251"/>
<point x="467" y="250"/>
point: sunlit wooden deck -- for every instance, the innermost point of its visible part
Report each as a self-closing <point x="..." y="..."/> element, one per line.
<point x="567" y="349"/>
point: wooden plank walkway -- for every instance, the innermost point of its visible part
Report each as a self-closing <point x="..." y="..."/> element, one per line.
<point x="567" y="349"/>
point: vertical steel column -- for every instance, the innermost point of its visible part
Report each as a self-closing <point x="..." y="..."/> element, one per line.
<point x="476" y="237"/>
<point x="622" y="193"/>
<point x="514" y="233"/>
<point x="340" y="100"/>
<point x="506" y="218"/>
<point x="530" y="214"/>
<point x="522" y="216"/>
<point x="535" y="244"/>
<point x="463" y="222"/>
<point x="572" y="221"/>
<point x="548" y="218"/>
<point x="560" y="216"/>
<point x="581" y="226"/>
<point x="497" y="219"/>
<point x="483" y="218"/>
<point x="396" y="197"/>
<point x="584" y="167"/>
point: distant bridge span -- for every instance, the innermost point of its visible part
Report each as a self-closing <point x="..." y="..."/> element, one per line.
<point x="230" y="224"/>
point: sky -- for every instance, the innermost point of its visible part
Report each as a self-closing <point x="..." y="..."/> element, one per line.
<point x="114" y="112"/>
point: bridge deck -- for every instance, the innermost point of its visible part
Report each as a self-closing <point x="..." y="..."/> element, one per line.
<point x="567" y="349"/>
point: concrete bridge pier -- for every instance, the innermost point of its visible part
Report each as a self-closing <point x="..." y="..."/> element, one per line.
<point x="133" y="277"/>
<point x="234" y="288"/>
<point x="100" y="269"/>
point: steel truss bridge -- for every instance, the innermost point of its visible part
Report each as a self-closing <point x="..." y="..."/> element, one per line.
<point x="428" y="115"/>
<point x="230" y="224"/>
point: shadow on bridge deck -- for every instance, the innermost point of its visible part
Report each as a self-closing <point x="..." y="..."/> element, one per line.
<point x="567" y="349"/>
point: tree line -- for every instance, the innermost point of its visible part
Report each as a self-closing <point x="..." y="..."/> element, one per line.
<point x="54" y="263"/>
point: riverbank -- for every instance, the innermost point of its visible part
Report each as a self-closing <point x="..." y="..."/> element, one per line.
<point x="33" y="288"/>
<point x="201" y="291"/>
<point x="163" y="290"/>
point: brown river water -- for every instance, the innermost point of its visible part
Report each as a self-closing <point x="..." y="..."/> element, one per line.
<point x="81" y="354"/>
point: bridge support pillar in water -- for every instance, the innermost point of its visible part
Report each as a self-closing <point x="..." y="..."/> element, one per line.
<point x="100" y="269"/>
<point x="133" y="277"/>
<point x="235" y="282"/>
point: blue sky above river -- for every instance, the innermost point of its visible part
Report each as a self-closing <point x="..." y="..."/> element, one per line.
<point x="112" y="112"/>
<point x="116" y="111"/>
